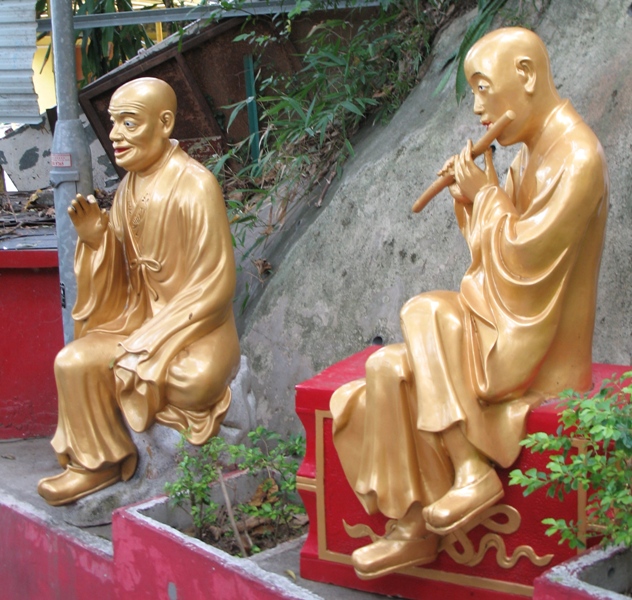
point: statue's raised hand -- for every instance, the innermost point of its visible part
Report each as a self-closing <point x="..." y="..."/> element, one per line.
<point x="89" y="220"/>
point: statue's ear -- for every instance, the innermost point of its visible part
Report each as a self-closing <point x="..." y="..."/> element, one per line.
<point x="526" y="71"/>
<point x="168" y="120"/>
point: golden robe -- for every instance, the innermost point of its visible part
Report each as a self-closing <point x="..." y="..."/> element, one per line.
<point x="520" y="328"/>
<point x="155" y="335"/>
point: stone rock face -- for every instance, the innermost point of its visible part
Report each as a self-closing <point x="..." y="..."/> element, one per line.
<point x="158" y="458"/>
<point x="242" y="414"/>
<point x="343" y="284"/>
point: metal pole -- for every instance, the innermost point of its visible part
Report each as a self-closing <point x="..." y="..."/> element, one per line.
<point x="71" y="163"/>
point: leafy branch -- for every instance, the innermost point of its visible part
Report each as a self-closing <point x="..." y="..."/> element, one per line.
<point x="591" y="450"/>
<point x="276" y="500"/>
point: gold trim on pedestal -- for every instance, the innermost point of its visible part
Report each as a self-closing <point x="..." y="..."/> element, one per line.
<point x="307" y="484"/>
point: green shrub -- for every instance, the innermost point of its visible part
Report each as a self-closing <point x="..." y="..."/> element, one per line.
<point x="592" y="449"/>
<point x="268" y="453"/>
<point x="198" y="470"/>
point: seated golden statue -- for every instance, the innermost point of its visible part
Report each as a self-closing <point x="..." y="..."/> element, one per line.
<point x="419" y="437"/>
<point x="155" y="337"/>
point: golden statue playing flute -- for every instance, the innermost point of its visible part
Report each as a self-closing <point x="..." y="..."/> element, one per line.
<point x="447" y="179"/>
<point x="420" y="436"/>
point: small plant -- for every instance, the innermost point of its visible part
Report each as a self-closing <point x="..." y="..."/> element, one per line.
<point x="198" y="471"/>
<point x="272" y="512"/>
<point x="592" y="449"/>
<point x="277" y="500"/>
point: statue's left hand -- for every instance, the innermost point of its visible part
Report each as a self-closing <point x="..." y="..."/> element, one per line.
<point x="89" y="220"/>
<point x="469" y="177"/>
<point x="448" y="170"/>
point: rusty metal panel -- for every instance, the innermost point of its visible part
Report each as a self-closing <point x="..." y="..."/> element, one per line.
<point x="205" y="70"/>
<point x="18" y="100"/>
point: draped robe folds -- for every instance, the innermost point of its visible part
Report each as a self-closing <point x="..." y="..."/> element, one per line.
<point x="519" y="329"/>
<point x="154" y="328"/>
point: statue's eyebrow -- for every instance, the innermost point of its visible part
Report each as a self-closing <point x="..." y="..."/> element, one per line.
<point x="122" y="113"/>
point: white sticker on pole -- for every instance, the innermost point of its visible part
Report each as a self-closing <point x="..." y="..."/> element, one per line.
<point x="61" y="160"/>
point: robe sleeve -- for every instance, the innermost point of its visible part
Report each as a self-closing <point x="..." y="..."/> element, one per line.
<point x="101" y="278"/>
<point x="204" y="301"/>
<point x="521" y="266"/>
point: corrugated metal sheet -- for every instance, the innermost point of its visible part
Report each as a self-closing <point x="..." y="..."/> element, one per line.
<point x="18" y="100"/>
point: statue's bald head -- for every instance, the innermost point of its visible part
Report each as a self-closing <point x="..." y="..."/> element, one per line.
<point x="509" y="69"/>
<point x="505" y="49"/>
<point x="155" y="95"/>
<point x="143" y="115"/>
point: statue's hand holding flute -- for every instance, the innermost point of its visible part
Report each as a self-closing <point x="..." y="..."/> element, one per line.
<point x="461" y="175"/>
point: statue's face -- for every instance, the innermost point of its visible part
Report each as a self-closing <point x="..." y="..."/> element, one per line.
<point x="497" y="88"/>
<point x="138" y="134"/>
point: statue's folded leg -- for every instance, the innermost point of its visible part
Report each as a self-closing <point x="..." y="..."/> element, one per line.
<point x="197" y="388"/>
<point x="438" y="335"/>
<point x="91" y="440"/>
<point x="393" y="467"/>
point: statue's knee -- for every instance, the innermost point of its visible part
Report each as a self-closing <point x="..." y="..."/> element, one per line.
<point x="419" y="306"/>
<point x="68" y="360"/>
<point x="193" y="387"/>
<point x="432" y="307"/>
<point x="82" y="356"/>
<point x="388" y="360"/>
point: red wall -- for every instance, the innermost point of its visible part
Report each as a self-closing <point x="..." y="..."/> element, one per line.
<point x="32" y="334"/>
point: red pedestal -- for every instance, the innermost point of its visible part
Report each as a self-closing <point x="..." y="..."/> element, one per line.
<point x="31" y="337"/>
<point x="487" y="564"/>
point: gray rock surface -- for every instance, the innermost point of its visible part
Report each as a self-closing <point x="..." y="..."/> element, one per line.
<point x="242" y="414"/>
<point x="344" y="282"/>
<point x="158" y="458"/>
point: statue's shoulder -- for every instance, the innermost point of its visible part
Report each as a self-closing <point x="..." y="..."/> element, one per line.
<point x="581" y="141"/>
<point x="579" y="152"/>
<point x="193" y="179"/>
<point x="586" y="153"/>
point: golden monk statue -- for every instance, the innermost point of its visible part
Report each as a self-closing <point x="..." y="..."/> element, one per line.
<point x="155" y="337"/>
<point x="419" y="437"/>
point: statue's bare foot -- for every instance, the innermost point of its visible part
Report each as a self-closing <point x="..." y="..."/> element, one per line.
<point x="462" y="504"/>
<point x="76" y="482"/>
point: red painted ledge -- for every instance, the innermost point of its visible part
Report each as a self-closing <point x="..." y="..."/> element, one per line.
<point x="28" y="259"/>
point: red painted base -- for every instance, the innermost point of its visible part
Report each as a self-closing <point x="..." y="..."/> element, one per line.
<point x="31" y="337"/>
<point x="331" y="503"/>
<point x="146" y="560"/>
<point x="39" y="560"/>
<point x="168" y="564"/>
